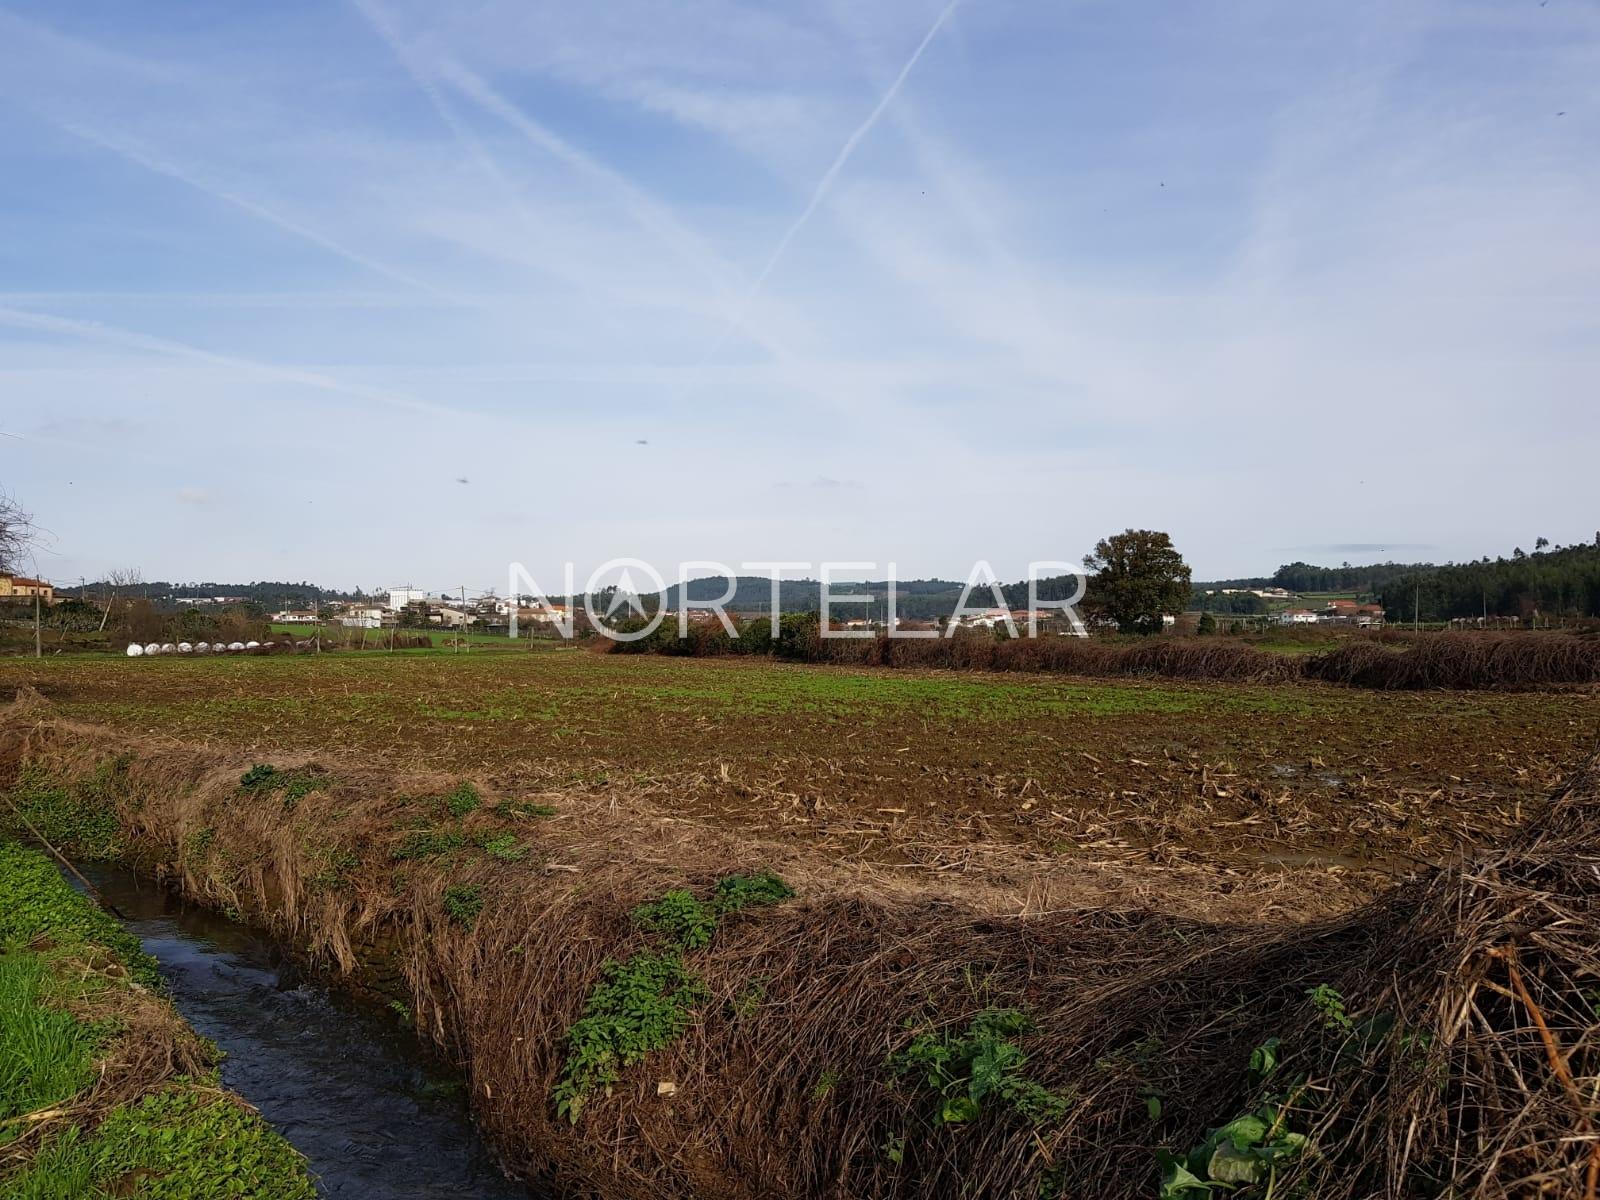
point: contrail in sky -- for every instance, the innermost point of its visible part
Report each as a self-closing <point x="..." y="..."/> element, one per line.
<point x="825" y="184"/>
<point x="96" y="332"/>
<point x="160" y="166"/>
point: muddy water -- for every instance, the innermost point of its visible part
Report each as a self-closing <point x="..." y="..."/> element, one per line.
<point x="343" y="1082"/>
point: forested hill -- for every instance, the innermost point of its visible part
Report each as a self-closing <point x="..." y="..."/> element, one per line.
<point x="1304" y="577"/>
<point x="917" y="599"/>
<point x="266" y="594"/>
<point x="1558" y="581"/>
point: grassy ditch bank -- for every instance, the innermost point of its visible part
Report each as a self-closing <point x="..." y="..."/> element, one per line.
<point x="644" y="1009"/>
<point x="104" y="1091"/>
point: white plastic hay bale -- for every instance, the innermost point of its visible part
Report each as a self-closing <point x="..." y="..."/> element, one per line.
<point x="202" y="647"/>
<point x="185" y="648"/>
<point x="168" y="648"/>
<point x="152" y="648"/>
<point x="235" y="645"/>
<point x="251" y="645"/>
<point x="135" y="650"/>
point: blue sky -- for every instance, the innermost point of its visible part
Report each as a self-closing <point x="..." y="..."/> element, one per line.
<point x="906" y="280"/>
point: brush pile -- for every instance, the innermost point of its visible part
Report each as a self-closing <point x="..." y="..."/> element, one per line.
<point x="1173" y="658"/>
<point x="1391" y="659"/>
<point x="1463" y="660"/>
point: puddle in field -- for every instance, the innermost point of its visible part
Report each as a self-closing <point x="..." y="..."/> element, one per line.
<point x="348" y="1087"/>
<point x="1288" y="770"/>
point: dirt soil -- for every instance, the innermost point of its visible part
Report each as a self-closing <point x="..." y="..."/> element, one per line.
<point x="943" y="775"/>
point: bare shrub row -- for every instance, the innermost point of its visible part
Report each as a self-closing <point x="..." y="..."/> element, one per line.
<point x="1440" y="660"/>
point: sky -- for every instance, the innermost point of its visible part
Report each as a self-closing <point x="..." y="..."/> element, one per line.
<point x="372" y="292"/>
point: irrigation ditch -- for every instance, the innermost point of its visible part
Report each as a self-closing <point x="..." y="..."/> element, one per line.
<point x="338" y="1075"/>
<point x="655" y="1008"/>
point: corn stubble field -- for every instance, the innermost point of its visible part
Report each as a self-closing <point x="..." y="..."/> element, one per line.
<point x="734" y="927"/>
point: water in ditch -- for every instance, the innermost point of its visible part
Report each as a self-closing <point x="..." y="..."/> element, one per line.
<point x="341" y="1080"/>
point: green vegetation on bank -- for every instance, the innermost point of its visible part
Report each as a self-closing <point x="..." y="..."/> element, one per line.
<point x="647" y="1002"/>
<point x="982" y="1066"/>
<point x="81" y="815"/>
<point x="71" y="982"/>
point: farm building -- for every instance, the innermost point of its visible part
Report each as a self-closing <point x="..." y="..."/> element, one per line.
<point x="19" y="586"/>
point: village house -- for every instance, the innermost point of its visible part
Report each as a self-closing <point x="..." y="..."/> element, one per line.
<point x="364" y="616"/>
<point x="295" y="616"/>
<point x="987" y="619"/>
<point x="554" y="613"/>
<point x="16" y="587"/>
<point x="451" y="618"/>
<point x="1353" y="611"/>
<point x="1297" y="616"/>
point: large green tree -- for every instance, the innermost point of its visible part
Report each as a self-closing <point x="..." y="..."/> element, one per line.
<point x="1136" y="577"/>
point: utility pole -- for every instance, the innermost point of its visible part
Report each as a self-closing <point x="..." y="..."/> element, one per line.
<point x="38" y="642"/>
<point x="461" y="631"/>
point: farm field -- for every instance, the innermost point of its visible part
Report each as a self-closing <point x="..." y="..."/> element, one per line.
<point x="924" y="771"/>
<point x="793" y="878"/>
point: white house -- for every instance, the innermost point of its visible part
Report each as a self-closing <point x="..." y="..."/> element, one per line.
<point x="361" y="616"/>
<point x="1297" y="616"/>
<point x="555" y="613"/>
<point x="400" y="597"/>
<point x="295" y="616"/>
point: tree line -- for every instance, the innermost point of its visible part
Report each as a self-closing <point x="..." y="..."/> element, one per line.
<point x="1552" y="581"/>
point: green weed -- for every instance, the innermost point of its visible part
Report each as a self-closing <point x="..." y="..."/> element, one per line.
<point x="1330" y="1004"/>
<point x="428" y="843"/>
<point x="683" y="918"/>
<point x="742" y="891"/>
<point x="826" y="1082"/>
<point x="333" y="867"/>
<point x="179" y="1144"/>
<point x="294" y="785"/>
<point x="1246" y="1150"/>
<point x="507" y="847"/>
<point x="36" y="901"/>
<point x="463" y="800"/>
<point x="983" y="1064"/>
<point x="640" y="1005"/>
<point x="463" y="901"/>
<point x="645" y="1003"/>
<point x="748" y="1002"/>
<point x="680" y="917"/>
<point x="80" y="817"/>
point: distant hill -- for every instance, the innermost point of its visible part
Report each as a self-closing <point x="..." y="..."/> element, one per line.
<point x="265" y="594"/>
<point x="917" y="599"/>
<point x="1303" y="577"/>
